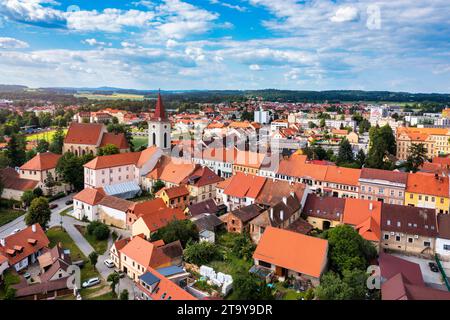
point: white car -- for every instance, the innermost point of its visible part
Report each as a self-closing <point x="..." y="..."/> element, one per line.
<point x="91" y="282"/>
<point x="109" y="263"/>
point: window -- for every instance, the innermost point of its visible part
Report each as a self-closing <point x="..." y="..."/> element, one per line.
<point x="388" y="222"/>
<point x="446" y="247"/>
<point x="386" y="237"/>
<point x="411" y="196"/>
<point x="420" y="197"/>
<point x="426" y="244"/>
<point x="410" y="240"/>
<point x="397" y="238"/>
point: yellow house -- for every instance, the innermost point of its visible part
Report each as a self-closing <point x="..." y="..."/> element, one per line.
<point x="248" y="162"/>
<point x="427" y="190"/>
<point x="152" y="221"/>
<point x="323" y="212"/>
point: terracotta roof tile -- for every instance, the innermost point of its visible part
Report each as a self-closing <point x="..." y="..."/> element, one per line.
<point x="329" y="208"/>
<point x="427" y="183"/>
<point x="90" y="196"/>
<point x="116" y="203"/>
<point x="365" y="216"/>
<point x="162" y="217"/>
<point x="11" y="180"/>
<point x="118" y="140"/>
<point x="42" y="161"/>
<point x="84" y="133"/>
<point x="114" y="160"/>
<point x="385" y="175"/>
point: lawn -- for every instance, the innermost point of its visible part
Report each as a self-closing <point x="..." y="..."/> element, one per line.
<point x="139" y="142"/>
<point x="99" y="246"/>
<point x="8" y="215"/>
<point x="66" y="211"/>
<point x="10" y="278"/>
<point x="106" y="296"/>
<point x="56" y="235"/>
<point x="47" y="135"/>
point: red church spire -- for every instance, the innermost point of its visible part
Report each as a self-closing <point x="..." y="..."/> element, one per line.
<point x="160" y="113"/>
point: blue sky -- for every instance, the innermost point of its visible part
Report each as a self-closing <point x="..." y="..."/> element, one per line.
<point x="401" y="45"/>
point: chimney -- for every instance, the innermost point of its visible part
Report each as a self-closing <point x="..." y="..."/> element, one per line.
<point x="371" y="206"/>
<point x="33" y="228"/>
<point x="271" y="213"/>
<point x="281" y="215"/>
<point x="285" y="200"/>
<point x="2" y="242"/>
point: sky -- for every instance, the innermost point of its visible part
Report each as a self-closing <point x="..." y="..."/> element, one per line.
<point x="401" y="45"/>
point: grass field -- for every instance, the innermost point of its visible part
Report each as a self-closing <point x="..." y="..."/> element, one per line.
<point x="139" y="142"/>
<point x="8" y="215"/>
<point x="114" y="96"/>
<point x="48" y="136"/>
<point x="99" y="246"/>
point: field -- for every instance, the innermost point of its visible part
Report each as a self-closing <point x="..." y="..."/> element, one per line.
<point x="114" y="96"/>
<point x="8" y="215"/>
<point x="47" y="135"/>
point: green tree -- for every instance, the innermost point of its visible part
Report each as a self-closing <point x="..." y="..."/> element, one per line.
<point x="360" y="158"/>
<point x="114" y="279"/>
<point x="50" y="183"/>
<point x="10" y="293"/>
<point x="183" y="230"/>
<point x="42" y="146"/>
<point x="27" y="197"/>
<point x="417" y="157"/>
<point x="124" y="295"/>
<point x="248" y="286"/>
<point x="158" y="185"/>
<point x="93" y="258"/>
<point x="120" y="128"/>
<point x="38" y="192"/>
<point x="108" y="150"/>
<point x="57" y="142"/>
<point x="4" y="160"/>
<point x="246" y="116"/>
<point x="201" y="253"/>
<point x="70" y="168"/>
<point x="322" y="123"/>
<point x="101" y="232"/>
<point x="364" y="126"/>
<point x="45" y="119"/>
<point x="38" y="212"/>
<point x="352" y="286"/>
<point x="382" y="144"/>
<point x="243" y="247"/>
<point x="16" y="150"/>
<point x="347" y="249"/>
<point x="345" y="154"/>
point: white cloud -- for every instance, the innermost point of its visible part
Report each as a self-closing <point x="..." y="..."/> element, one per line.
<point x="95" y="42"/>
<point x="11" y="43"/>
<point x="345" y="14"/>
<point x="254" y="67"/>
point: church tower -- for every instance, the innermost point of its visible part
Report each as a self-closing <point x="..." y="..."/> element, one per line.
<point x="159" y="128"/>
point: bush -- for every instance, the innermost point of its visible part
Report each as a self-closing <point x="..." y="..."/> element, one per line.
<point x="101" y="232"/>
<point x="201" y="253"/>
<point x="92" y="226"/>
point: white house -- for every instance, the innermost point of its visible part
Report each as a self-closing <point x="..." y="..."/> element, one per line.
<point x="85" y="203"/>
<point x="219" y="160"/>
<point x="442" y="246"/>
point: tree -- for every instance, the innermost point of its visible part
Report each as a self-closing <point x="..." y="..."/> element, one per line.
<point x="4" y="160"/>
<point x="183" y="230"/>
<point x="243" y="247"/>
<point x="101" y="232"/>
<point x="70" y="168"/>
<point x="201" y="253"/>
<point x="93" y="257"/>
<point x="311" y="125"/>
<point x="246" y="116"/>
<point x="364" y="126"/>
<point x="360" y="158"/>
<point x="120" y="128"/>
<point x="10" y="293"/>
<point x="50" y="183"/>
<point x="347" y="249"/>
<point x="248" y="286"/>
<point x="352" y="286"/>
<point x="39" y="212"/>
<point x="42" y="146"/>
<point x="124" y="295"/>
<point x="45" y="119"/>
<point x="38" y="192"/>
<point x="417" y="157"/>
<point x="16" y="150"/>
<point x="108" y="150"/>
<point x="114" y="278"/>
<point x="382" y="144"/>
<point x="345" y="154"/>
<point x="57" y="142"/>
<point x="27" y="197"/>
<point x="158" y="185"/>
<point x="322" y="123"/>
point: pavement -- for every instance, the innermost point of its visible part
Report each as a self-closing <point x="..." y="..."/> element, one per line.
<point x="431" y="278"/>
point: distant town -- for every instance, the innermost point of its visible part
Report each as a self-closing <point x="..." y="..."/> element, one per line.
<point x="162" y="197"/>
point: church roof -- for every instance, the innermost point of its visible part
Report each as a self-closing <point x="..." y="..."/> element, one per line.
<point x="160" y="113"/>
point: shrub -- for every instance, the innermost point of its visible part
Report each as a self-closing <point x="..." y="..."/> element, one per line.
<point x="101" y="232"/>
<point x="202" y="253"/>
<point x="92" y="226"/>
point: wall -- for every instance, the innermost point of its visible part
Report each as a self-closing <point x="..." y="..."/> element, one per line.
<point x="112" y="217"/>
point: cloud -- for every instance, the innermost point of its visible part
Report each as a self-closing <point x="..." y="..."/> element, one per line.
<point x="228" y="5"/>
<point x="95" y="42"/>
<point x="11" y="43"/>
<point x="345" y="14"/>
<point x="254" y="67"/>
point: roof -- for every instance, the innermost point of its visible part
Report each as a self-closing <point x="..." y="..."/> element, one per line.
<point x="202" y="176"/>
<point x="244" y="185"/>
<point x="207" y="222"/>
<point x="11" y="180"/>
<point x="391" y="265"/>
<point x="247" y="213"/>
<point x="407" y="219"/>
<point x="273" y="191"/>
<point x="146" y="207"/>
<point x="162" y="217"/>
<point x="149" y="278"/>
<point x="443" y="226"/>
<point x="426" y="183"/>
<point x="42" y="161"/>
<point x="384" y="175"/>
<point x="330" y="208"/>
<point x="171" y="170"/>
<point x="220" y="154"/>
<point x="90" y="196"/>
<point x="207" y="206"/>
<point x="300" y="226"/>
<point x="113" y="160"/>
<point x="280" y="212"/>
<point x="84" y="133"/>
<point x="224" y="184"/>
<point x="24" y="239"/>
<point x="175" y="192"/>
<point x="277" y="245"/>
<point x="160" y="113"/>
<point x="365" y="216"/>
<point x="116" y="203"/>
<point x="249" y="159"/>
<point x="342" y="175"/>
<point x="169" y="271"/>
<point x="119" y="140"/>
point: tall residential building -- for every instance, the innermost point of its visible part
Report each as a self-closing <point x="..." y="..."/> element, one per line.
<point x="435" y="140"/>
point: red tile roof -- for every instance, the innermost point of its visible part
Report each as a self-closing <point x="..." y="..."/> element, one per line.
<point x="202" y="176"/>
<point x="245" y="185"/>
<point x="175" y="192"/>
<point x="114" y="160"/>
<point x="385" y="175"/>
<point x="329" y="208"/>
<point x="119" y="140"/>
<point x="90" y="196"/>
<point x="42" y="161"/>
<point x="11" y="180"/>
<point x="147" y="207"/>
<point x="365" y="216"/>
<point x="84" y="133"/>
<point x="427" y="183"/>
<point x="277" y="247"/>
<point x="145" y="253"/>
<point x="160" y="218"/>
<point x="160" y="113"/>
<point x="171" y="170"/>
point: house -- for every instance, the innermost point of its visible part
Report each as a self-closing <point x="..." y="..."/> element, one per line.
<point x="275" y="252"/>
<point x="113" y="211"/>
<point x="85" y="203"/>
<point x="204" y="207"/>
<point x="54" y="264"/>
<point x="427" y="190"/>
<point x="219" y="160"/>
<point x="174" y="197"/>
<point x="13" y="185"/>
<point x="238" y="220"/>
<point x="273" y="191"/>
<point x="41" y="168"/>
<point x="201" y="184"/>
<point x="442" y="246"/>
<point x="152" y="285"/>
<point x="341" y="182"/>
<point x="248" y="162"/>
<point x="408" y="229"/>
<point x="207" y="225"/>
<point x="281" y="215"/>
<point x="118" y="169"/>
<point x="220" y="188"/>
<point x="139" y="254"/>
<point x="88" y="138"/>
<point x="365" y="217"/>
<point x="242" y="190"/>
<point x="150" y="222"/>
<point x="24" y="247"/>
<point x="114" y="251"/>
<point x="383" y="185"/>
<point x="323" y="212"/>
<point x="138" y="209"/>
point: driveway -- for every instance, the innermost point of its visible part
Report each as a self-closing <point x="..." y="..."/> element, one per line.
<point x="430" y="277"/>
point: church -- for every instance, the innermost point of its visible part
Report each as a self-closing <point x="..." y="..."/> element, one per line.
<point x="159" y="129"/>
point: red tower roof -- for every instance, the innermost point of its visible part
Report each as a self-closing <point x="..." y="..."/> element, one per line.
<point x="160" y="113"/>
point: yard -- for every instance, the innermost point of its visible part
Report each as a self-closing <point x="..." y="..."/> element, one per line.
<point x="47" y="135"/>
<point x="66" y="211"/>
<point x="99" y="246"/>
<point x="11" y="278"/>
<point x="56" y="235"/>
<point x="139" y="142"/>
<point x="8" y="215"/>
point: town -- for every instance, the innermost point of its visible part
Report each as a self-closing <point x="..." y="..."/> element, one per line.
<point x="290" y="199"/>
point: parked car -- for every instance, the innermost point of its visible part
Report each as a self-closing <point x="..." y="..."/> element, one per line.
<point x="91" y="282"/>
<point x="120" y="273"/>
<point x="53" y="206"/>
<point x="27" y="275"/>
<point x="109" y="263"/>
<point x="69" y="202"/>
<point x="433" y="266"/>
